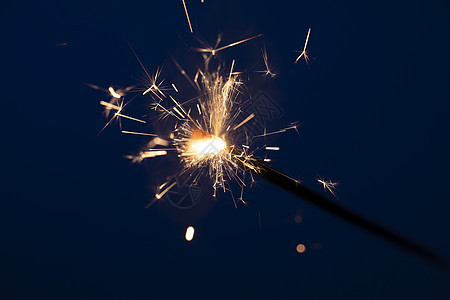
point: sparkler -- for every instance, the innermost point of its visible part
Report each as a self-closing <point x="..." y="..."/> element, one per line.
<point x="203" y="138"/>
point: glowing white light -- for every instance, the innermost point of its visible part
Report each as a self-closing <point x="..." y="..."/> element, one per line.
<point x="114" y="93"/>
<point x="212" y="145"/>
<point x="189" y="233"/>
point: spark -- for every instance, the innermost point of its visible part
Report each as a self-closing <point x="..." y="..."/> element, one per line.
<point x="231" y="70"/>
<point x="178" y="112"/>
<point x="160" y="141"/>
<point x="174" y="87"/>
<point x="238" y="42"/>
<point x="178" y="105"/>
<point x="245" y="121"/>
<point x="128" y="117"/>
<point x="183" y="72"/>
<point x="187" y="16"/>
<point x="163" y="185"/>
<point x="156" y="86"/>
<point x="213" y="51"/>
<point x="146" y="154"/>
<point x="278" y="131"/>
<point x="139" y="133"/>
<point x="153" y="153"/>
<point x="151" y="88"/>
<point x="114" y="93"/>
<point x="273" y="148"/>
<point x="160" y="195"/>
<point x="329" y="185"/>
<point x="110" y="105"/>
<point x="268" y="71"/>
<point x="189" y="233"/>
<point x="165" y="149"/>
<point x="303" y="53"/>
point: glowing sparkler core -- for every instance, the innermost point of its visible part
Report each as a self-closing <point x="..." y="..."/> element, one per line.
<point x="206" y="145"/>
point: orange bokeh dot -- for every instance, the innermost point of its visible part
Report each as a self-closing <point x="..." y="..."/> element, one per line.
<point x="301" y="248"/>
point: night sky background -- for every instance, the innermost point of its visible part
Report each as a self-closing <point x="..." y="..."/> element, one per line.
<point x="374" y="105"/>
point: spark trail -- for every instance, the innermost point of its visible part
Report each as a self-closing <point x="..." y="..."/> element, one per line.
<point x="303" y="52"/>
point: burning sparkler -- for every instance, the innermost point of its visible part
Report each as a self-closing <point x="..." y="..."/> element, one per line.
<point x="203" y="137"/>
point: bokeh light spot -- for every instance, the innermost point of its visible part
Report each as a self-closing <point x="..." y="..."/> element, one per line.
<point x="189" y="233"/>
<point x="301" y="248"/>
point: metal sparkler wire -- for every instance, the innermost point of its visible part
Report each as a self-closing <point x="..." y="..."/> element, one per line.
<point x="293" y="186"/>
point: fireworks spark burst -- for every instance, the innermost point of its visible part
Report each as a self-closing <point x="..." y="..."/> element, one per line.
<point x="202" y="134"/>
<point x="329" y="185"/>
<point x="204" y="128"/>
<point x="203" y="141"/>
<point x="269" y="71"/>
<point x="204" y="125"/>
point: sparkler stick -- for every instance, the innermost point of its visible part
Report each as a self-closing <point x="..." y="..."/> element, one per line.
<point x="293" y="186"/>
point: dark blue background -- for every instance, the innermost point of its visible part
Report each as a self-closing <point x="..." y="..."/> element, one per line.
<point x="374" y="104"/>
